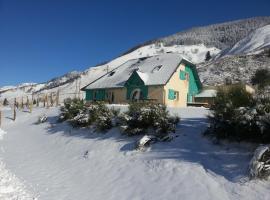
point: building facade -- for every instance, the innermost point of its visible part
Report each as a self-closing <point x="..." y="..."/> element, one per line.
<point x="167" y="79"/>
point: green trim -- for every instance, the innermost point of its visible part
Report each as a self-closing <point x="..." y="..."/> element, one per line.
<point x="95" y="95"/>
<point x="194" y="83"/>
<point x="171" y="94"/>
<point x="182" y="75"/>
<point x="89" y="95"/>
<point x="135" y="82"/>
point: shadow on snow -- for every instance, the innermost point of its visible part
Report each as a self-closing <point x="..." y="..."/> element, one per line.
<point x="227" y="160"/>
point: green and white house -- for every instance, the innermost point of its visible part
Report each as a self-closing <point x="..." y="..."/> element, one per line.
<point x="169" y="79"/>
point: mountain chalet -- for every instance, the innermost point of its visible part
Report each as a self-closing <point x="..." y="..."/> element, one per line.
<point x="168" y="79"/>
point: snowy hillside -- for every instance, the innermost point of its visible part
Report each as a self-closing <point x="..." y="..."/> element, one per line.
<point x="69" y="84"/>
<point x="255" y="41"/>
<point x="234" y="68"/>
<point x="221" y="36"/>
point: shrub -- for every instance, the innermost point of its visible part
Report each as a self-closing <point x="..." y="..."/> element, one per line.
<point x="71" y="108"/>
<point x="5" y="103"/>
<point x="80" y="115"/>
<point x="146" y="117"/>
<point x="239" y="117"/>
<point x="261" y="78"/>
<point x="104" y="117"/>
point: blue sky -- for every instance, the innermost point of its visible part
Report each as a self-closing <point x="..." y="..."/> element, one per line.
<point x="41" y="39"/>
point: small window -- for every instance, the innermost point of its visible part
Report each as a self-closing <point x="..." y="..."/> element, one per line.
<point x="187" y="76"/>
<point x="157" y="68"/>
<point x="173" y="95"/>
<point x="182" y="75"/>
<point x="176" y="95"/>
<point x="111" y="73"/>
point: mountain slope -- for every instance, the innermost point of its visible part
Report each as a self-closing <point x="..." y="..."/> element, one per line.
<point x="222" y="36"/>
<point x="255" y="41"/>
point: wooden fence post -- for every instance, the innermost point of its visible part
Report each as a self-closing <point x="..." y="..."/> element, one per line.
<point x="44" y="102"/>
<point x="37" y="100"/>
<point x="31" y="107"/>
<point x="14" y="113"/>
<point x="51" y="99"/>
<point x="27" y="102"/>
<point x="22" y="103"/>
<point x="47" y="101"/>
<point x="57" y="98"/>
<point x="0" y="118"/>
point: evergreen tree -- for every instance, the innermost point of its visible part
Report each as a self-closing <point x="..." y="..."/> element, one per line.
<point x="208" y="56"/>
<point x="261" y="78"/>
<point x="5" y="103"/>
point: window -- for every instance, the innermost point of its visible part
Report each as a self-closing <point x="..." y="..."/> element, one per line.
<point x="176" y="95"/>
<point x="111" y="73"/>
<point x="173" y="95"/>
<point x="187" y="76"/>
<point x="182" y="75"/>
<point x="157" y="68"/>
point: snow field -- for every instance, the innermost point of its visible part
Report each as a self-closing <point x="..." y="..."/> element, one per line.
<point x="59" y="162"/>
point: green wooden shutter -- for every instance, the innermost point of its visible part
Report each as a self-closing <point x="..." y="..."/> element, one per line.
<point x="171" y="95"/>
<point x="182" y="75"/>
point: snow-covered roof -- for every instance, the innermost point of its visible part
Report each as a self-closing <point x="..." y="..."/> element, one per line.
<point x="207" y="93"/>
<point x="155" y="70"/>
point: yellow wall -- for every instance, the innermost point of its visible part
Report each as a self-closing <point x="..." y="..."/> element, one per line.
<point x="160" y="93"/>
<point x="177" y="85"/>
<point x="157" y="93"/>
<point x="119" y="95"/>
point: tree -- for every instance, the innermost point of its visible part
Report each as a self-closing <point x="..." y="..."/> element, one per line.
<point x="267" y="52"/>
<point x="5" y="103"/>
<point x="261" y="78"/>
<point x="208" y="56"/>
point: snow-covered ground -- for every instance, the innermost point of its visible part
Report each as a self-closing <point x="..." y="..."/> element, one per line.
<point x="57" y="162"/>
<point x="11" y="188"/>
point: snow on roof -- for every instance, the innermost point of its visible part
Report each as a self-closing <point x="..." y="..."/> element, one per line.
<point x="155" y="70"/>
<point x="207" y="93"/>
<point x="143" y="76"/>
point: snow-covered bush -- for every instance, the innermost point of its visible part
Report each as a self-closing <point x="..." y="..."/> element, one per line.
<point x="148" y="117"/>
<point x="240" y="118"/>
<point x="80" y="115"/>
<point x="259" y="166"/>
<point x="71" y="108"/>
<point x="104" y="117"/>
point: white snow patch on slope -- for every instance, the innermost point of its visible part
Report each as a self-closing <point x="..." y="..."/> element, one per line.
<point x="2" y="133"/>
<point x="11" y="188"/>
<point x="255" y="41"/>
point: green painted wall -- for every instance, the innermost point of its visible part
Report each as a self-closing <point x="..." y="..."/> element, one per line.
<point x="99" y="95"/>
<point x="135" y="82"/>
<point x="89" y="95"/>
<point x="194" y="83"/>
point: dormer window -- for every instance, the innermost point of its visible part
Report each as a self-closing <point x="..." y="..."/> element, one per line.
<point x="111" y="73"/>
<point x="157" y="68"/>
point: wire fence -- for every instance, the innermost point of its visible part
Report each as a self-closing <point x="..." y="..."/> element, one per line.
<point x="28" y="102"/>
